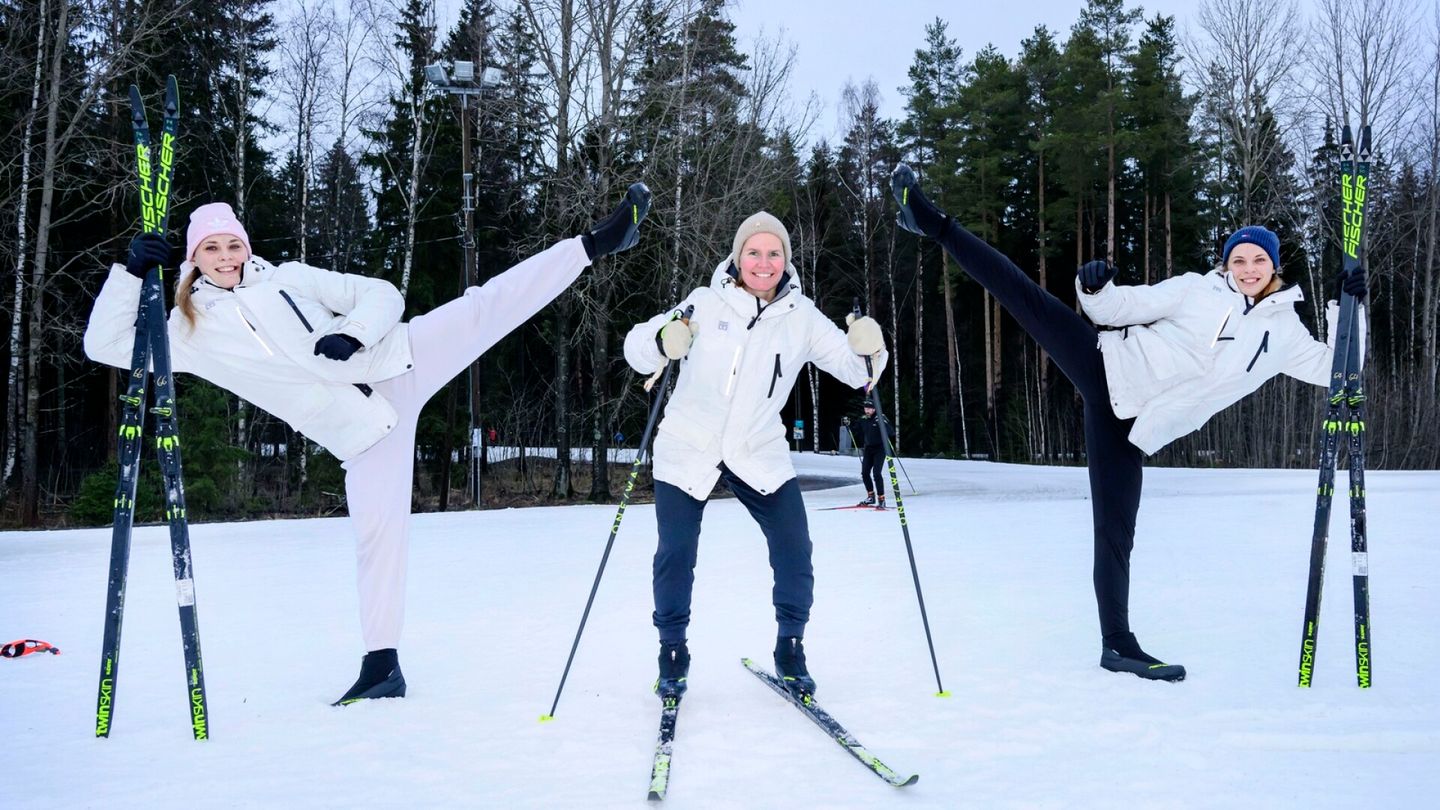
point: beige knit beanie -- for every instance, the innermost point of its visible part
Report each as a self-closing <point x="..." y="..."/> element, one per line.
<point x="759" y="222"/>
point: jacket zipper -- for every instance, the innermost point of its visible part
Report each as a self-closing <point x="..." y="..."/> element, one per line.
<point x="775" y="377"/>
<point x="1223" y="324"/>
<point x="364" y="389"/>
<point x="734" y="368"/>
<point x="298" y="313"/>
<point x="253" y="332"/>
<point x="1264" y="347"/>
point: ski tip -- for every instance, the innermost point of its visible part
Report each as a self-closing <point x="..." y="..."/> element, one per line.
<point x="914" y="777"/>
<point x="655" y="797"/>
<point x="746" y="661"/>
<point x="545" y="718"/>
<point x="942" y="694"/>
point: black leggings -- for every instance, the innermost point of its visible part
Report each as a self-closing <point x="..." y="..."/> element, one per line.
<point x="870" y="470"/>
<point x="1115" y="465"/>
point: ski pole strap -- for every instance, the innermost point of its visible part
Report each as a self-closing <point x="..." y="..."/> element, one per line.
<point x="16" y="649"/>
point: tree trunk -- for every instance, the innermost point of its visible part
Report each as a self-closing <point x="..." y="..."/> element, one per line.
<point x="1110" y="169"/>
<point x="1145" y="230"/>
<point x="16" y="416"/>
<point x="954" y="408"/>
<point x="1169" y="240"/>
<point x="447" y="447"/>
<point x="894" y="344"/>
<point x="244" y="482"/>
<point x="920" y="333"/>
<point x="30" y="471"/>
<point x="814" y="379"/>
<point x="563" y="487"/>
<point x="599" y="384"/>
<point x="989" y="370"/>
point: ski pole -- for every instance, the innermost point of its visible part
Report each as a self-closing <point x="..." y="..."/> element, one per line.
<point x="619" y="514"/>
<point x="900" y="509"/>
<point x="907" y="476"/>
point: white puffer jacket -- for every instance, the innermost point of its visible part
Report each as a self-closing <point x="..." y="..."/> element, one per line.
<point x="1192" y="345"/>
<point x="258" y="341"/>
<point x="741" y="367"/>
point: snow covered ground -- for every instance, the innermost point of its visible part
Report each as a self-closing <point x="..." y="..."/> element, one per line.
<point x="1004" y="556"/>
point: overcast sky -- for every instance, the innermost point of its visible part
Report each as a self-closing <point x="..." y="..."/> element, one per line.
<point x="859" y="39"/>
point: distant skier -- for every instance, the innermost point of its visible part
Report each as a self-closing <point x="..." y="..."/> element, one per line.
<point x="327" y="353"/>
<point x="751" y="333"/>
<point x="1181" y="351"/>
<point x="872" y="457"/>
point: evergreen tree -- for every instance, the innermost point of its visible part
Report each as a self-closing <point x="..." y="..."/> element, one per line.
<point x="1159" y="112"/>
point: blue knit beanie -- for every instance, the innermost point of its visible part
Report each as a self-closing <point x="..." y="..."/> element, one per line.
<point x="1254" y="235"/>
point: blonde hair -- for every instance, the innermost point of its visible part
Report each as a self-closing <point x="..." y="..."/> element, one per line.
<point x="182" y="295"/>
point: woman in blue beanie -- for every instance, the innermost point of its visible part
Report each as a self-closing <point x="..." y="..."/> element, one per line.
<point x="1177" y="353"/>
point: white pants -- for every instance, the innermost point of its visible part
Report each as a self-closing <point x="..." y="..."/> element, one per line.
<point x="443" y="343"/>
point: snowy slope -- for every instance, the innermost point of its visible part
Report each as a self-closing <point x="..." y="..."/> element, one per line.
<point x="1004" y="556"/>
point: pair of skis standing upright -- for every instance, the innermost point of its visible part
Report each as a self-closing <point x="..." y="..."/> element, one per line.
<point x="1344" y="414"/>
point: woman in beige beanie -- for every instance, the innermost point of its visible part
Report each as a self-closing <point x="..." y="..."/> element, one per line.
<point x="751" y="332"/>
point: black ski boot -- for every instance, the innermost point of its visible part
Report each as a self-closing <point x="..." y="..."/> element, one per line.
<point x="674" y="670"/>
<point x="880" y="504"/>
<point x="380" y="677"/>
<point x="790" y="667"/>
<point x="621" y="230"/>
<point x="869" y="500"/>
<point x="1122" y="653"/>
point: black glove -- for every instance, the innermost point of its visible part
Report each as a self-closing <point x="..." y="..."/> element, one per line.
<point x="147" y="251"/>
<point x="1095" y="275"/>
<point x="1353" y="282"/>
<point x="337" y="346"/>
<point x="620" y="230"/>
<point x="917" y="214"/>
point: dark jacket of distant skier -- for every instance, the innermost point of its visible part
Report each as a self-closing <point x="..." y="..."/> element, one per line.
<point x="870" y="431"/>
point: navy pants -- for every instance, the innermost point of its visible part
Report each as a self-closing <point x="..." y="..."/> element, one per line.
<point x="1115" y="465"/>
<point x="781" y="516"/>
<point x="870" y="470"/>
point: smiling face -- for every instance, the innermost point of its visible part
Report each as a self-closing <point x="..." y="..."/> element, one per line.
<point x="219" y="257"/>
<point x="762" y="263"/>
<point x="1250" y="268"/>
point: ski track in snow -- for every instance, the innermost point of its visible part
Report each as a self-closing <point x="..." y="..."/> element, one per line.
<point x="494" y="598"/>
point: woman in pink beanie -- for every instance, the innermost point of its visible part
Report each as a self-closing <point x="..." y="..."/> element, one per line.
<point x="328" y="354"/>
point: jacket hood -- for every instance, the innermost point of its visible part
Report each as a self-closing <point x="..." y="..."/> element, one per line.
<point x="253" y="271"/>
<point x="1289" y="292"/>
<point x="725" y="281"/>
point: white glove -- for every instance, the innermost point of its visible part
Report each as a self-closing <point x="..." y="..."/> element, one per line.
<point x="864" y="335"/>
<point x="675" y="338"/>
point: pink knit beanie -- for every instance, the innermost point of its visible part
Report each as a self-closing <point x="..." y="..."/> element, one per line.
<point x="211" y="219"/>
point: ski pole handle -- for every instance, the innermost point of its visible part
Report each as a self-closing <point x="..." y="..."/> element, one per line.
<point x="685" y="319"/>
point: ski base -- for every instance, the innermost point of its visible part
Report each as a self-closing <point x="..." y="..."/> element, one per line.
<point x="836" y="731"/>
<point x="857" y="508"/>
<point x="660" y="771"/>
